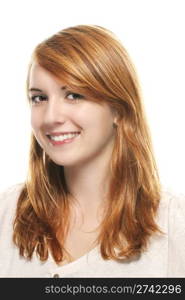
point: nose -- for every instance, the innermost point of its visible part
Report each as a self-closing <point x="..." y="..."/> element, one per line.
<point x="55" y="111"/>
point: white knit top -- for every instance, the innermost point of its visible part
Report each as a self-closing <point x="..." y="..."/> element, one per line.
<point x="165" y="256"/>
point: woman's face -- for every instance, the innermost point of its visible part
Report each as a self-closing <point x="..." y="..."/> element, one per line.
<point x="69" y="127"/>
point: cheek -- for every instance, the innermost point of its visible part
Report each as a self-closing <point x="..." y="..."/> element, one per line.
<point x="79" y="118"/>
<point x="102" y="121"/>
<point x="32" y="121"/>
<point x="35" y="121"/>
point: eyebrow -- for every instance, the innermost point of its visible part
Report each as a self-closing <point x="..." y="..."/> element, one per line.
<point x="33" y="89"/>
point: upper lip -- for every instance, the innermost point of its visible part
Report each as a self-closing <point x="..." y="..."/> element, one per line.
<point x="61" y="133"/>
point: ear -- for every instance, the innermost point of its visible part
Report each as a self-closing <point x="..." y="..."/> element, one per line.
<point x="116" y="117"/>
<point x="115" y="121"/>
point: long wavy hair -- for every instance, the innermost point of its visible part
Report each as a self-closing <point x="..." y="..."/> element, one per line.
<point x="91" y="59"/>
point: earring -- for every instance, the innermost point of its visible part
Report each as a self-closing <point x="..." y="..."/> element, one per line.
<point x="44" y="157"/>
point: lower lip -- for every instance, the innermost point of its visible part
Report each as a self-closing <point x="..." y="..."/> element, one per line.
<point x="59" y="143"/>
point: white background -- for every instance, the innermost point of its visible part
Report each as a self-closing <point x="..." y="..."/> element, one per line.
<point x="153" y="32"/>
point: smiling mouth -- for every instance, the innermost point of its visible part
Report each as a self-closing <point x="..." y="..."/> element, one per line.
<point x="62" y="138"/>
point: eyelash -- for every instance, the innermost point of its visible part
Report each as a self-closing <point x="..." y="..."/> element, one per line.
<point x="43" y="97"/>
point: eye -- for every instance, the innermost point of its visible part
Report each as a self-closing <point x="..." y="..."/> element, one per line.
<point x="74" y="96"/>
<point x="38" y="98"/>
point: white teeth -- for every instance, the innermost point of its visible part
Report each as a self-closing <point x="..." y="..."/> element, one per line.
<point x="63" y="137"/>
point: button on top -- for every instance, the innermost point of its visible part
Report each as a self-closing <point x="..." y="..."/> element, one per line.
<point x="56" y="276"/>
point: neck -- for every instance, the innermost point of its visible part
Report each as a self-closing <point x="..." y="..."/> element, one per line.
<point x="88" y="183"/>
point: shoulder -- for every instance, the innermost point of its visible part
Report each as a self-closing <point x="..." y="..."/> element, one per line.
<point x="172" y="210"/>
<point x="174" y="204"/>
<point x="171" y="213"/>
<point x="176" y="216"/>
<point x="9" y="197"/>
<point x="11" y="192"/>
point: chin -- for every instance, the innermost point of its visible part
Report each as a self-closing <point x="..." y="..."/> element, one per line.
<point x="64" y="163"/>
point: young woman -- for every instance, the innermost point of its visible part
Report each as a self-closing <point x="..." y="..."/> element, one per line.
<point x="92" y="205"/>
